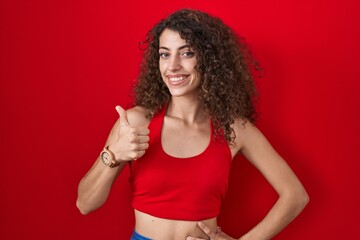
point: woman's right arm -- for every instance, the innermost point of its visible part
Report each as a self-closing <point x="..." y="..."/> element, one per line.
<point x="127" y="143"/>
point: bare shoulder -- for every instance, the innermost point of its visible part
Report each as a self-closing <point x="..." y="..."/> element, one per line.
<point x="245" y="133"/>
<point x="251" y="142"/>
<point x="137" y="116"/>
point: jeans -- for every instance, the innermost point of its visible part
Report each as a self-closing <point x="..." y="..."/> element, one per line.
<point x="136" y="236"/>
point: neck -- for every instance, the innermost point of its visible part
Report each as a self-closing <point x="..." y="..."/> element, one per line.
<point x="189" y="110"/>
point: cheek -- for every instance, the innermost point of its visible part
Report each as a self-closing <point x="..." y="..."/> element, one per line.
<point x="162" y="71"/>
<point x="190" y="66"/>
<point x="162" y="66"/>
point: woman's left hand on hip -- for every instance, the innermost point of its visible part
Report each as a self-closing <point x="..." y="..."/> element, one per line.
<point x="213" y="235"/>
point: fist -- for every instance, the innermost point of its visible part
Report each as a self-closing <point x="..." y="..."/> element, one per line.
<point x="130" y="142"/>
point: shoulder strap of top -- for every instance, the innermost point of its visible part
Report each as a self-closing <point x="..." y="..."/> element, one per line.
<point x="157" y="120"/>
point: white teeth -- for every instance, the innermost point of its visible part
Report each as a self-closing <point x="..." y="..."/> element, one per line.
<point x="177" y="79"/>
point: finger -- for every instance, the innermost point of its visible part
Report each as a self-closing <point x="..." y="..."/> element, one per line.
<point x="135" y="138"/>
<point x="205" y="229"/>
<point x="143" y="131"/>
<point x="140" y="153"/>
<point x="137" y="154"/>
<point x="142" y="139"/>
<point x="143" y="146"/>
<point x="123" y="116"/>
<point x="138" y="146"/>
<point x="194" y="238"/>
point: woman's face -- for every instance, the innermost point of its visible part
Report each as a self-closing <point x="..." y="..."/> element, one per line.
<point x="177" y="64"/>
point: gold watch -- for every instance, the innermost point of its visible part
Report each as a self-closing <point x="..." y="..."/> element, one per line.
<point x="108" y="158"/>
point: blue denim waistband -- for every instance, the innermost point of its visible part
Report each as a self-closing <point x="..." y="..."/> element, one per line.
<point x="136" y="236"/>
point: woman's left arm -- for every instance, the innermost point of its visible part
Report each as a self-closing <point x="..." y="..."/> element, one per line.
<point x="292" y="195"/>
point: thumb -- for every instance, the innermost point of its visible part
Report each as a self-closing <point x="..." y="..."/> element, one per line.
<point x="123" y="116"/>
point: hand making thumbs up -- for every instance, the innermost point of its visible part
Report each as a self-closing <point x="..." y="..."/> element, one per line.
<point x="131" y="142"/>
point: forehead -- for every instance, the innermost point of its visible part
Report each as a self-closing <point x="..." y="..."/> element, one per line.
<point x="171" y="39"/>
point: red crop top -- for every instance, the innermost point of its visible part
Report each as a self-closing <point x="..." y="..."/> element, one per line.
<point x="180" y="188"/>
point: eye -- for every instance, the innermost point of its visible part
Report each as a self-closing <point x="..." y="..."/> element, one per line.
<point x="188" y="54"/>
<point x="163" y="55"/>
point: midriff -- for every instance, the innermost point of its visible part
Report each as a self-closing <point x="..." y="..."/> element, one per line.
<point x="166" y="229"/>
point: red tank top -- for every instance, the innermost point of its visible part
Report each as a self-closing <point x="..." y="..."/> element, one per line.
<point x="180" y="188"/>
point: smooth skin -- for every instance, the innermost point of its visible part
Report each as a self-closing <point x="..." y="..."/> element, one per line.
<point x="186" y="120"/>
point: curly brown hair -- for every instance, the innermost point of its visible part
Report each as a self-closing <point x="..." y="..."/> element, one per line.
<point x="224" y="64"/>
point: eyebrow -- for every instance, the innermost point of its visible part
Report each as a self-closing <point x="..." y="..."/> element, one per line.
<point x="182" y="47"/>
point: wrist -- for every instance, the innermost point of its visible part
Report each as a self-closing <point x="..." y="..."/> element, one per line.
<point x="108" y="158"/>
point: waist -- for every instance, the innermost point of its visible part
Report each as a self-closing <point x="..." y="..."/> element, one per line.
<point x="167" y="229"/>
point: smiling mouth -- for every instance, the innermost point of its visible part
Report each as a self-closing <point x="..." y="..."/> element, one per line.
<point x="177" y="80"/>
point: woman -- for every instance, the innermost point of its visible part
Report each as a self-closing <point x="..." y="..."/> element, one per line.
<point x="193" y="113"/>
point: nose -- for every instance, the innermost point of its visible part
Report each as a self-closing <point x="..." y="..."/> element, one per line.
<point x="174" y="63"/>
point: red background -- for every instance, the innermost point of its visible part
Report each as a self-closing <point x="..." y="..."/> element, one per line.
<point x="64" y="65"/>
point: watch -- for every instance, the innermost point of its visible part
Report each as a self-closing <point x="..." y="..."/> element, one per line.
<point x="108" y="158"/>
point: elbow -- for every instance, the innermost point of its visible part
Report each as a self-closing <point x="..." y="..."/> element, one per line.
<point x="297" y="199"/>
<point x="301" y="198"/>
<point x="304" y="199"/>
<point x="82" y="208"/>
<point x="85" y="206"/>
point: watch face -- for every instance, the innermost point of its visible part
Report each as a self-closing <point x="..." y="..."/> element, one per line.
<point x="105" y="158"/>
